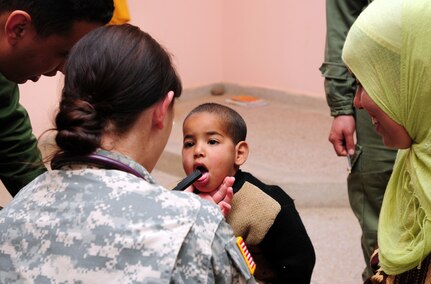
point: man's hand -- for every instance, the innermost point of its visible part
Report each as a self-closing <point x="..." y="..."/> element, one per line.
<point x="341" y="135"/>
<point x="222" y="196"/>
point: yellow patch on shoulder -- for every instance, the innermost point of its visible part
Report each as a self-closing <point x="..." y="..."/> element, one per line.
<point x="246" y="254"/>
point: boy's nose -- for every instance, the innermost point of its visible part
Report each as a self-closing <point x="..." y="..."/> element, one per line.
<point x="198" y="152"/>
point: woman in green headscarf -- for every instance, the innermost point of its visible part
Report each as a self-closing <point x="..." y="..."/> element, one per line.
<point x="388" y="49"/>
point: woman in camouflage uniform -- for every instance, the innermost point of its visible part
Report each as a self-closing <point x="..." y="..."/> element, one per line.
<point x="99" y="216"/>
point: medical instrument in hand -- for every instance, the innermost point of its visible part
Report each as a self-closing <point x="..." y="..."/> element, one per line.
<point x="188" y="180"/>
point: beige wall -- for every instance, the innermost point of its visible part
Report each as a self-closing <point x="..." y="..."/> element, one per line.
<point x="275" y="44"/>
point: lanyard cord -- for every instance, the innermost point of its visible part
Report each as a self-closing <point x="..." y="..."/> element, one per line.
<point x="106" y="162"/>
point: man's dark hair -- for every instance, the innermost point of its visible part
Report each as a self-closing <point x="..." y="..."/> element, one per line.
<point x="57" y="16"/>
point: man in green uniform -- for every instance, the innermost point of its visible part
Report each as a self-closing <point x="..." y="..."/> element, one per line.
<point x="35" y="39"/>
<point x="371" y="161"/>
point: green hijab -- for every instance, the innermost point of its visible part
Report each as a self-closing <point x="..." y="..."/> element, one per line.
<point x="388" y="49"/>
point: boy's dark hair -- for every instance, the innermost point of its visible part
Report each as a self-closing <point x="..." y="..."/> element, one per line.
<point x="113" y="74"/>
<point x="234" y="124"/>
<point x="57" y="16"/>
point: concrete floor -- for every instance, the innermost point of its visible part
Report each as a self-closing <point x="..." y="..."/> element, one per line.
<point x="289" y="147"/>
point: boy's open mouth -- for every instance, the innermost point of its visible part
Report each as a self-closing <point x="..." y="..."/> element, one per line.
<point x="205" y="175"/>
<point x="202" y="168"/>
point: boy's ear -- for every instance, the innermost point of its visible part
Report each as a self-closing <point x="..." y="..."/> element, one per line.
<point x="161" y="110"/>
<point x="17" y="25"/>
<point x="241" y="153"/>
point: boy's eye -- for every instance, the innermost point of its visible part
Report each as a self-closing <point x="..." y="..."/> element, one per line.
<point x="187" y="144"/>
<point x="212" y="142"/>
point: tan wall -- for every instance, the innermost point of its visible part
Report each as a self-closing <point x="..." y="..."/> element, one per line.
<point x="276" y="44"/>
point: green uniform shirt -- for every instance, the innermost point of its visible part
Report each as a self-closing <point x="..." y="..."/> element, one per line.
<point x="339" y="84"/>
<point x="20" y="159"/>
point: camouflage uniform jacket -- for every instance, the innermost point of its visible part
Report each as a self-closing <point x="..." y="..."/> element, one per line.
<point x="83" y="224"/>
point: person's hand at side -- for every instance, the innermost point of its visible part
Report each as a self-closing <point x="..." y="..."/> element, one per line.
<point x="222" y="196"/>
<point x="341" y="135"/>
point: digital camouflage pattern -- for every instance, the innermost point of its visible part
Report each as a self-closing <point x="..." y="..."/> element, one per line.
<point x="82" y="224"/>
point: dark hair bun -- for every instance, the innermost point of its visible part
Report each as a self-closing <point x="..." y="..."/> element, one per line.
<point x="79" y="127"/>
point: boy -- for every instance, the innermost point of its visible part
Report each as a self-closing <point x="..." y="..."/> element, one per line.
<point x="264" y="215"/>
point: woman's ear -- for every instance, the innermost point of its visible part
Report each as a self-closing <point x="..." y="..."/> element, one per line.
<point x="241" y="153"/>
<point x="161" y="110"/>
<point x="17" y="25"/>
